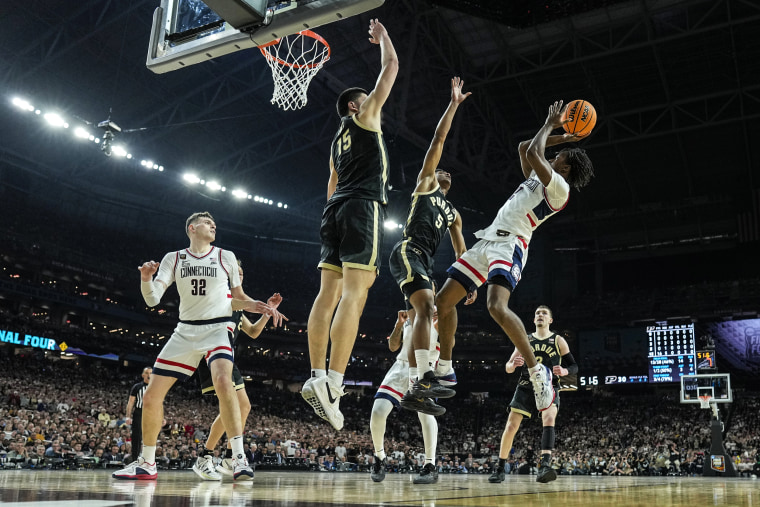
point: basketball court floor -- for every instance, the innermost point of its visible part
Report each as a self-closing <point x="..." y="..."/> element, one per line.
<point x="297" y="489"/>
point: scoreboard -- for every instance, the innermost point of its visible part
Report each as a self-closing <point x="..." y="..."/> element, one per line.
<point x="672" y="352"/>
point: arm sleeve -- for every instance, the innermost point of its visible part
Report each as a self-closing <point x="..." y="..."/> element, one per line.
<point x="569" y="362"/>
<point x="152" y="292"/>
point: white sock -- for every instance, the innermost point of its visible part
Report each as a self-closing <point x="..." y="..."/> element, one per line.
<point x="412" y="376"/>
<point x="318" y="373"/>
<point x="535" y="368"/>
<point x="237" y="446"/>
<point x="444" y="366"/>
<point x="149" y="453"/>
<point x="423" y="361"/>
<point x="335" y="379"/>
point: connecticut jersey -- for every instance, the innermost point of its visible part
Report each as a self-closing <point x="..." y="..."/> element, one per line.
<point x="546" y="352"/>
<point x="203" y="282"/>
<point x="527" y="208"/>
<point x="406" y="344"/>
<point x="360" y="158"/>
<point x="430" y="216"/>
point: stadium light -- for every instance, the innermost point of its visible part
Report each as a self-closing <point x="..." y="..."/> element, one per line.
<point x="82" y="133"/>
<point x="213" y="185"/>
<point x="240" y="194"/>
<point x="22" y="104"/>
<point x="191" y="178"/>
<point x="119" y="150"/>
<point x="55" y="120"/>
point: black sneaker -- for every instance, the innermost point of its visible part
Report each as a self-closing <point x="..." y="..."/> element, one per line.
<point x="498" y="475"/>
<point x="422" y="405"/>
<point x="546" y="474"/>
<point x="429" y="387"/>
<point x="428" y="475"/>
<point x="378" y="470"/>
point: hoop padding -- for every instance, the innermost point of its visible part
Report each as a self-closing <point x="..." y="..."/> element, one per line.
<point x="704" y="401"/>
<point x="294" y="61"/>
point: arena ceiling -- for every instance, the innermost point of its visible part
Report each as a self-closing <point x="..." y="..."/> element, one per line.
<point x="676" y="84"/>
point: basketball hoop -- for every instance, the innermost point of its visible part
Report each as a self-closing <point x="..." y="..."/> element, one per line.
<point x="294" y="61"/>
<point x="704" y="401"/>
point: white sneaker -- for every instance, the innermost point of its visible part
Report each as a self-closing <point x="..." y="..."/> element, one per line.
<point x="324" y="399"/>
<point x="225" y="467"/>
<point x="240" y="469"/>
<point x="137" y="470"/>
<point x="448" y="379"/>
<point x="204" y="468"/>
<point x="542" y="387"/>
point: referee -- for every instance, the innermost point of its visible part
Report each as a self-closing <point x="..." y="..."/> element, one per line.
<point x="134" y="411"/>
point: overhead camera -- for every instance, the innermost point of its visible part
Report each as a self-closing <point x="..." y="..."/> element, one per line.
<point x="110" y="129"/>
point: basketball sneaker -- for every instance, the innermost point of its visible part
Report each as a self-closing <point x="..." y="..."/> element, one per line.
<point x="137" y="470"/>
<point x="429" y="387"/>
<point x="204" y="468"/>
<point x="225" y="467"/>
<point x="498" y="475"/>
<point x="240" y="469"/>
<point x="448" y="379"/>
<point x="428" y="475"/>
<point x="422" y="405"/>
<point x="324" y="399"/>
<point x="377" y="474"/>
<point x="546" y="473"/>
<point x="542" y="387"/>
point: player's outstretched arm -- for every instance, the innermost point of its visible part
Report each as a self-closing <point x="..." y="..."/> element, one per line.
<point x="369" y="113"/>
<point x="426" y="179"/>
<point x="515" y="361"/>
<point x="457" y="238"/>
<point x="254" y="329"/>
<point x="152" y="290"/>
<point x="535" y="152"/>
<point x="394" y="340"/>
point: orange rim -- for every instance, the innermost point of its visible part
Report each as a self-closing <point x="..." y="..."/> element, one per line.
<point x="307" y="33"/>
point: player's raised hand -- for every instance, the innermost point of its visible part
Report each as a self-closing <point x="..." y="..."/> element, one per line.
<point x="559" y="371"/>
<point x="376" y="31"/>
<point x="556" y="112"/>
<point x="147" y="270"/>
<point x="275" y="300"/>
<point x="403" y="316"/>
<point x="518" y="360"/>
<point x="457" y="97"/>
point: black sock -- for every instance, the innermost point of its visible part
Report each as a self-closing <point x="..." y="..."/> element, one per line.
<point x="546" y="459"/>
<point x="228" y="453"/>
<point x="502" y="463"/>
<point x="207" y="452"/>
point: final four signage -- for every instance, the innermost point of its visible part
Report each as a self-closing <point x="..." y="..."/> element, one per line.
<point x="27" y="340"/>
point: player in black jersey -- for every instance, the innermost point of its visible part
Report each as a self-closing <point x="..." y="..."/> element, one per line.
<point x="411" y="261"/>
<point x="551" y="350"/>
<point x="351" y="232"/>
<point x="204" y="466"/>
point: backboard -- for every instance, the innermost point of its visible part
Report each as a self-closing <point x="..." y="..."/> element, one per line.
<point x="186" y="32"/>
<point x="717" y="385"/>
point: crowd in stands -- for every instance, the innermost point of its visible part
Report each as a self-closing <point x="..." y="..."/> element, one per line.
<point x="57" y="413"/>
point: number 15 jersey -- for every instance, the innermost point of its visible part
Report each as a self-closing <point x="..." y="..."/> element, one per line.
<point x="203" y="282"/>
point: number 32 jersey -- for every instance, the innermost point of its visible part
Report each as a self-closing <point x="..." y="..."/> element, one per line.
<point x="203" y="282"/>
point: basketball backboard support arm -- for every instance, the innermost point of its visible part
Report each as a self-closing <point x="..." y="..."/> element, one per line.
<point x="166" y="56"/>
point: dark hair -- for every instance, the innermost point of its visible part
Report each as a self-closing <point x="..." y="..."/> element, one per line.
<point x="551" y="313"/>
<point x="192" y="219"/>
<point x="581" y="168"/>
<point x="349" y="95"/>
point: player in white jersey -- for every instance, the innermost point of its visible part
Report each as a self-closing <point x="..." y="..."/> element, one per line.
<point x="396" y="382"/>
<point x="502" y="250"/>
<point x="209" y="288"/>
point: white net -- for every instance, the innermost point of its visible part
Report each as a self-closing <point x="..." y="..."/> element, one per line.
<point x="704" y="401"/>
<point x="294" y="61"/>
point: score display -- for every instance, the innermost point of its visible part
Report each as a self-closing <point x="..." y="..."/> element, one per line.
<point x="671" y="352"/>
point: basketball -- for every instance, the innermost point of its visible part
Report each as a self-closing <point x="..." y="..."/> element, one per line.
<point x="582" y="118"/>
